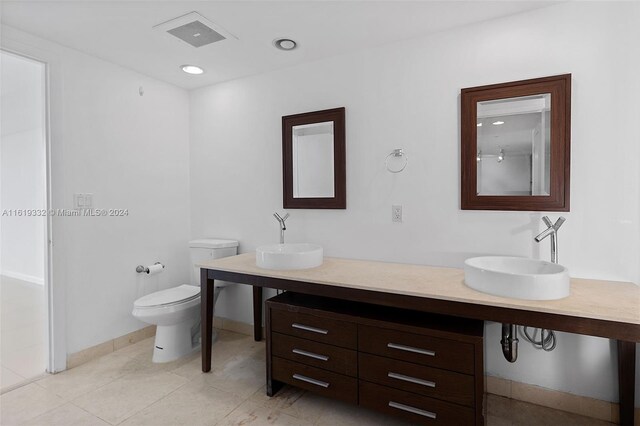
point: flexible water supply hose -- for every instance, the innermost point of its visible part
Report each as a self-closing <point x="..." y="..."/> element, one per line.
<point x="546" y="343"/>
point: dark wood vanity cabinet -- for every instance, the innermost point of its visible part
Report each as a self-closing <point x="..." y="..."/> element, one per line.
<point x="424" y="368"/>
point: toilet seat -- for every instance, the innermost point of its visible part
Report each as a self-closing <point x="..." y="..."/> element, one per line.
<point x="172" y="296"/>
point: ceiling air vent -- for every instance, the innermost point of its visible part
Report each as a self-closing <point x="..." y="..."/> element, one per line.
<point x="195" y="30"/>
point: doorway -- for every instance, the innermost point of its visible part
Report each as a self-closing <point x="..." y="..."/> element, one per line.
<point x="24" y="336"/>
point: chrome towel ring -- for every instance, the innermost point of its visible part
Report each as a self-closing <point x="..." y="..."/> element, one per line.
<point x="399" y="157"/>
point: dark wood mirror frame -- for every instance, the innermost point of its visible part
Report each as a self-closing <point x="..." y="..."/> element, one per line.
<point x="558" y="200"/>
<point x="339" y="201"/>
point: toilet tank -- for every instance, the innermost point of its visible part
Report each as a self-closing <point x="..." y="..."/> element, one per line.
<point x="207" y="249"/>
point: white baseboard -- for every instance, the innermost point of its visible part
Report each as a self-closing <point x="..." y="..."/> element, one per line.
<point x="23" y="277"/>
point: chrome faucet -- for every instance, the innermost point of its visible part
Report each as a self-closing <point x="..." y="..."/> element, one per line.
<point x="552" y="229"/>
<point x="283" y="227"/>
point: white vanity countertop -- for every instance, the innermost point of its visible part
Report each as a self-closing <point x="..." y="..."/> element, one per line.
<point x="604" y="300"/>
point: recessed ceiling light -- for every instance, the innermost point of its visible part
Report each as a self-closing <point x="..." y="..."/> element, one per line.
<point x="192" y="69"/>
<point x="497" y="123"/>
<point x="284" y="44"/>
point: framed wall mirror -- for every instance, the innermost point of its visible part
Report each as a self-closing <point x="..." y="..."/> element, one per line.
<point x="314" y="160"/>
<point x="515" y="145"/>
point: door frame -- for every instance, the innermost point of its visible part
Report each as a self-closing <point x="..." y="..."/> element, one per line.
<point x="54" y="291"/>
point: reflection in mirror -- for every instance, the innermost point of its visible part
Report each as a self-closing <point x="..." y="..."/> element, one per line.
<point x="514" y="146"/>
<point x="313" y="170"/>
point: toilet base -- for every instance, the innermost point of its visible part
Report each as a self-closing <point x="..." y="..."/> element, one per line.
<point x="174" y="341"/>
<point x="167" y="348"/>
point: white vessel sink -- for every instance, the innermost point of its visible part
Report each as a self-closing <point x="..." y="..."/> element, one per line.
<point x="517" y="277"/>
<point x="289" y="256"/>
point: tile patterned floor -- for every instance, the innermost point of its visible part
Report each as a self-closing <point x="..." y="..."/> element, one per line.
<point x="125" y="388"/>
<point x="22" y="331"/>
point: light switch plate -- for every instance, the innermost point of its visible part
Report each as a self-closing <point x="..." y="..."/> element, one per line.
<point x="78" y="201"/>
<point x="82" y="201"/>
<point x="88" y="201"/>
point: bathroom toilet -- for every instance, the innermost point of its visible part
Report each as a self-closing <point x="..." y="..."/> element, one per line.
<point x="176" y="311"/>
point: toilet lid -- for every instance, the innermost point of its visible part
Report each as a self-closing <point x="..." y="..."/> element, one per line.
<point x="182" y="293"/>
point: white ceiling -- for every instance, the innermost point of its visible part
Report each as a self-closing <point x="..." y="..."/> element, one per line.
<point x="514" y="136"/>
<point x="121" y="31"/>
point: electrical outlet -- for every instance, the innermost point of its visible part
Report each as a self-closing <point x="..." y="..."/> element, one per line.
<point x="396" y="214"/>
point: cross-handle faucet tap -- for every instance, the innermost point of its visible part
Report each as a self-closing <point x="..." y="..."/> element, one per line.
<point x="552" y="229"/>
<point x="283" y="227"/>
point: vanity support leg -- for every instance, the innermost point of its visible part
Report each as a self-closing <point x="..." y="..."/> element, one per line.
<point x="257" y="313"/>
<point x="273" y="386"/>
<point x="206" y="318"/>
<point x="626" y="380"/>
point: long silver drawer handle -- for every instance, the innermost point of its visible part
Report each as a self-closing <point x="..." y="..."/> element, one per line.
<point x="411" y="349"/>
<point x="309" y="328"/>
<point x="413" y="410"/>
<point x="310" y="354"/>
<point x="310" y="380"/>
<point x="415" y="380"/>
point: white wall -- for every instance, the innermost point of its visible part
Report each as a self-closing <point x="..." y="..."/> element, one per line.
<point x="313" y="165"/>
<point x="131" y="152"/>
<point x="22" y="168"/>
<point x="406" y="95"/>
<point x="511" y="176"/>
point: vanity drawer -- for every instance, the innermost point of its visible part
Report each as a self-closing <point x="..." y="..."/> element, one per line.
<point x="340" y="360"/>
<point x="428" y="381"/>
<point x="416" y="409"/>
<point x="417" y="348"/>
<point x="316" y="380"/>
<point x="319" y="329"/>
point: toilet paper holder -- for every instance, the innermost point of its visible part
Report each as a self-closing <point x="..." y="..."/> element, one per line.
<point x="145" y="269"/>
